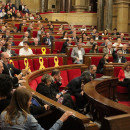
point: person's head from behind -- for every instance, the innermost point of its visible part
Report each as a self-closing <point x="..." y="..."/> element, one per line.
<point x="46" y="79"/>
<point x="92" y="69"/>
<point x="126" y="66"/>
<point x="56" y="74"/>
<point x="85" y="77"/>
<point x="105" y="56"/>
<point x="20" y="102"/>
<point x="25" y="45"/>
<point x="1" y="66"/>
<point x="6" y="84"/>
<point x="5" y="57"/>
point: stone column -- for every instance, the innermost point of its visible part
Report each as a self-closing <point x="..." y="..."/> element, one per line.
<point x="62" y="5"/>
<point x="108" y="14"/>
<point x="42" y="5"/>
<point x="45" y="5"/>
<point x="122" y="15"/>
<point x="68" y="5"/>
<point x="80" y="5"/>
<point x="100" y="15"/>
<point x="17" y="3"/>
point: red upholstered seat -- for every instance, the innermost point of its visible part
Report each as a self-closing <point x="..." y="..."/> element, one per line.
<point x="122" y="89"/>
<point x="22" y="66"/>
<point x="64" y="78"/>
<point x="16" y="65"/>
<point x="58" y="45"/>
<point x="99" y="43"/>
<point x="128" y="58"/>
<point x="95" y="60"/>
<point x="16" y="51"/>
<point x="25" y="29"/>
<point x="51" y="61"/>
<point x="17" y="25"/>
<point x="69" y="61"/>
<point x="16" y="43"/>
<point x="36" y="63"/>
<point x="34" y="34"/>
<point x="38" y="51"/>
<point x="116" y="71"/>
<point x="73" y="73"/>
<point x="99" y="75"/>
<point x="34" y="51"/>
<point x="100" y="50"/>
<point x="38" y="79"/>
<point x="18" y="36"/>
<point x="33" y="84"/>
<point x="87" y="50"/>
<point x="73" y="98"/>
<point x="110" y="59"/>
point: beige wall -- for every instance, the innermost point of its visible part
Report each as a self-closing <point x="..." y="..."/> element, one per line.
<point x="33" y="5"/>
<point x="50" y="3"/>
<point x="73" y="18"/>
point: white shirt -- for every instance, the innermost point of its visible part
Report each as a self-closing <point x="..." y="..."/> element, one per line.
<point x="21" y="43"/>
<point x="80" y="55"/>
<point x="22" y="51"/>
<point x="127" y="74"/>
<point x="115" y="44"/>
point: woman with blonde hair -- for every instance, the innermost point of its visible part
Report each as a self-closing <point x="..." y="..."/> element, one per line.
<point x="17" y="114"/>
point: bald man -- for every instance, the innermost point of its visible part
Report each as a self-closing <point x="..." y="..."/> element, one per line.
<point x="8" y="68"/>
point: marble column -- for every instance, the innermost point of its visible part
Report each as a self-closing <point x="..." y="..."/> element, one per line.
<point x="42" y="5"/>
<point x="68" y="5"/>
<point x="108" y="14"/>
<point x="45" y="5"/>
<point x="122" y="15"/>
<point x="62" y="5"/>
<point x="80" y="5"/>
<point x="17" y="3"/>
<point x="100" y="15"/>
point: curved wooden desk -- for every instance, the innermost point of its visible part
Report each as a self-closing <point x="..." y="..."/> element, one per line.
<point x="101" y="94"/>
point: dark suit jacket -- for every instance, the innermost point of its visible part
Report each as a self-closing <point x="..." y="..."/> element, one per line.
<point x="99" y="37"/>
<point x="12" y="69"/>
<point x="13" y="53"/>
<point x="74" y="86"/>
<point x="45" y="39"/>
<point x="46" y="91"/>
<point x="101" y="65"/>
<point x="63" y="50"/>
<point x="116" y="58"/>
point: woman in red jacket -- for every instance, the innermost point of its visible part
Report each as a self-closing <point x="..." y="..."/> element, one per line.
<point x="124" y="76"/>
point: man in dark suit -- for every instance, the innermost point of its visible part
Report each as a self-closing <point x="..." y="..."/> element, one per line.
<point x="22" y="24"/>
<point x="65" y="44"/>
<point x="97" y="37"/>
<point x="115" y="33"/>
<point x="118" y="57"/>
<point x="48" y="39"/>
<point x="25" y="10"/>
<point x="7" y="34"/>
<point x="124" y="49"/>
<point x="8" y="68"/>
<point x="75" y="88"/>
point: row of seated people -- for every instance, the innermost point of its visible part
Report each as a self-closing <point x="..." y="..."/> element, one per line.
<point x="9" y="96"/>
